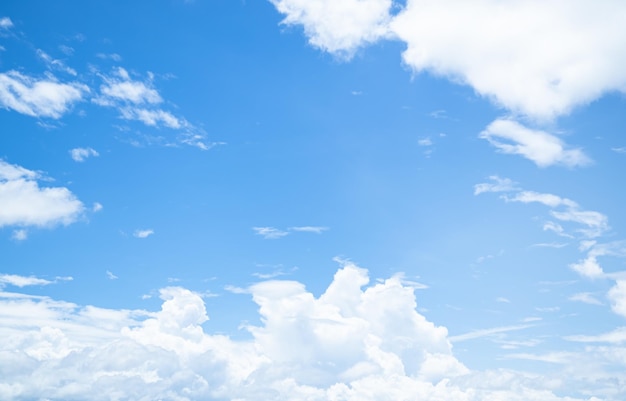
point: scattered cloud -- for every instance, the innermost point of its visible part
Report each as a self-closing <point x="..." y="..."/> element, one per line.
<point x="487" y="332"/>
<point x="617" y="296"/>
<point x="24" y="281"/>
<point x="497" y="185"/>
<point x="309" y="229"/>
<point x="616" y="336"/>
<point x="109" y="56"/>
<point x="275" y="233"/>
<point x="152" y="118"/>
<point x="270" y="232"/>
<point x="425" y="142"/>
<point x="585" y="297"/>
<point x="111" y="276"/>
<point x="276" y="272"/>
<point x="137" y="100"/>
<point x="24" y="203"/>
<point x="20" y="235"/>
<point x="82" y="154"/>
<point x="97" y="206"/>
<point x="540" y="147"/>
<point x="555" y="228"/>
<point x="6" y="23"/>
<point x="503" y="300"/>
<point x="596" y="223"/>
<point x="143" y="233"/>
<point x="44" y="97"/>
<point x="54" y="63"/>
<point x="556" y="245"/>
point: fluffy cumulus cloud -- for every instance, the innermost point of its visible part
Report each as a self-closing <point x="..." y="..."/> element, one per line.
<point x="24" y="203"/>
<point x="45" y="97"/>
<point x="537" y="58"/>
<point x="540" y="147"/>
<point x="339" y="27"/>
<point x="354" y="342"/>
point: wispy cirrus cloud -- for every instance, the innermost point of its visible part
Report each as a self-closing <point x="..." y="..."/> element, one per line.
<point x="309" y="229"/>
<point x="585" y="297"/>
<point x="595" y="224"/>
<point x="25" y="281"/>
<point x="270" y="232"/>
<point x="275" y="233"/>
<point x="55" y="63"/>
<point x="139" y="100"/>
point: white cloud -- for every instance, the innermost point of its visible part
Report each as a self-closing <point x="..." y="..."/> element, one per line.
<point x="616" y="336"/>
<point x="354" y="342"/>
<point x="121" y="88"/>
<point x="111" y="276"/>
<point x="22" y="281"/>
<point x="23" y="202"/>
<point x="497" y="185"/>
<point x="538" y="58"/>
<point x="112" y="56"/>
<point x="38" y="97"/>
<point x="20" y="234"/>
<point x="546" y="199"/>
<point x="6" y="23"/>
<point x="585" y="297"/>
<point x="82" y="154"/>
<point x="269" y="232"/>
<point x="617" y="296"/>
<point x="596" y="223"/>
<point x="487" y="332"/>
<point x="540" y="147"/>
<point x="143" y="233"/>
<point x="425" y="142"/>
<point x="153" y="118"/>
<point x="54" y="63"/>
<point x="309" y="229"/>
<point x="556" y="228"/>
<point x="339" y="27"/>
<point x="97" y="206"/>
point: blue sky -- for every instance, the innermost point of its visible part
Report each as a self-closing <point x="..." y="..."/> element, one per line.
<point x="312" y="199"/>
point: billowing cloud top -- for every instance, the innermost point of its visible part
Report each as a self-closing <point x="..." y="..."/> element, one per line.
<point x="350" y="343"/>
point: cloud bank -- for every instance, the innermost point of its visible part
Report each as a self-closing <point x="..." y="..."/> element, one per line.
<point x="354" y="342"/>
